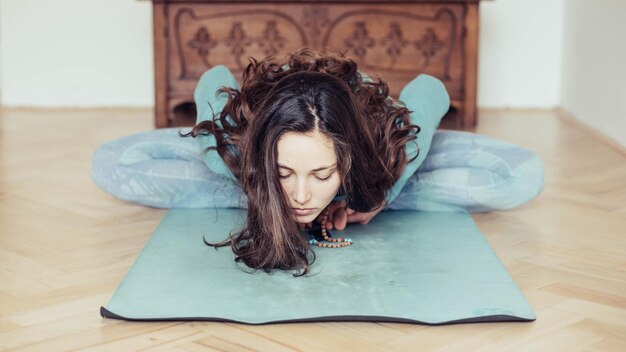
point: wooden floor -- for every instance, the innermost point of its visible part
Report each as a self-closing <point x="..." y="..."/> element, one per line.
<point x="65" y="245"/>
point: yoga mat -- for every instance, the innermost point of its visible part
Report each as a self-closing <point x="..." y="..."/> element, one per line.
<point x="404" y="266"/>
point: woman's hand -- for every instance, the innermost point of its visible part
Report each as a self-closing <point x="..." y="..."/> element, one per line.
<point x="339" y="215"/>
<point x="333" y="209"/>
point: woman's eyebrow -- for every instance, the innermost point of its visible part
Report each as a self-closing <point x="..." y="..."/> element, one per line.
<point x="318" y="169"/>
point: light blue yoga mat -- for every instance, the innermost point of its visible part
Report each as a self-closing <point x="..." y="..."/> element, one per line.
<point x="404" y="266"/>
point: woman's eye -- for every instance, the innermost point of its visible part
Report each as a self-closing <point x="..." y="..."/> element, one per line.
<point x="324" y="179"/>
<point x="318" y="178"/>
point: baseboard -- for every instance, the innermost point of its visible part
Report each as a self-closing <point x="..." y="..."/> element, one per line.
<point x="569" y="118"/>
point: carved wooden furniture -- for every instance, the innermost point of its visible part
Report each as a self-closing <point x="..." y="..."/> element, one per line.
<point x="397" y="40"/>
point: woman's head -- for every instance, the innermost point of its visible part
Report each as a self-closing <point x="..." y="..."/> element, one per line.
<point x="308" y="169"/>
<point x="298" y="132"/>
<point x="308" y="120"/>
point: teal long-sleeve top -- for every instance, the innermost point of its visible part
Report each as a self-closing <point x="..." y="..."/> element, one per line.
<point x="425" y="96"/>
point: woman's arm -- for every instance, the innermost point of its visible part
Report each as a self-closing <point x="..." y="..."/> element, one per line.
<point x="209" y="102"/>
<point x="427" y="99"/>
<point x="339" y="215"/>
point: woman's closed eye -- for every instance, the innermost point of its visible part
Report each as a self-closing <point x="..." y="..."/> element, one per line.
<point x="318" y="178"/>
<point x="324" y="179"/>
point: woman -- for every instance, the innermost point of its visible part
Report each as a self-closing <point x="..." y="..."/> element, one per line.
<point x="309" y="140"/>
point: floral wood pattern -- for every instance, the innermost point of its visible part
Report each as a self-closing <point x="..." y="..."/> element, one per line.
<point x="395" y="42"/>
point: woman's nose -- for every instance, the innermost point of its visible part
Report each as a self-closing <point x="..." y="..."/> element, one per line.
<point x="302" y="194"/>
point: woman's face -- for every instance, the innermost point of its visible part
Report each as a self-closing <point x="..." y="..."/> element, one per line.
<point x="307" y="165"/>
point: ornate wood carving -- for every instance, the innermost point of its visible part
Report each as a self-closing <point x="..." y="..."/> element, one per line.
<point x="316" y="18"/>
<point x="427" y="41"/>
<point x="203" y="43"/>
<point x="397" y="40"/>
<point x="394" y="43"/>
<point x="271" y="41"/>
<point x="360" y="41"/>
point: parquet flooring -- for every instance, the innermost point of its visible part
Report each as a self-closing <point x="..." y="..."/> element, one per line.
<point x="65" y="245"/>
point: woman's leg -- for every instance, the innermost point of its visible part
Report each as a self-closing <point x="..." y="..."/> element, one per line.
<point x="160" y="169"/>
<point x="472" y="173"/>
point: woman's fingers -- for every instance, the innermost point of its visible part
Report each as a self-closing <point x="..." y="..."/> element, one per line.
<point x="362" y="218"/>
<point x="341" y="219"/>
<point x="333" y="210"/>
<point x="331" y="216"/>
<point x="338" y="216"/>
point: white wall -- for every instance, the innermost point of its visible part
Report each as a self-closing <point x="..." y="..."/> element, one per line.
<point x="101" y="54"/>
<point x="76" y="53"/>
<point x="594" y="65"/>
<point x="1" y="53"/>
<point x="520" y="53"/>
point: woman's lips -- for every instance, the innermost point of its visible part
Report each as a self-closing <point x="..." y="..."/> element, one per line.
<point x="304" y="211"/>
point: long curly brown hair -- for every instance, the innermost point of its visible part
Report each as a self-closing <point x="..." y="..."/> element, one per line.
<point x="302" y="92"/>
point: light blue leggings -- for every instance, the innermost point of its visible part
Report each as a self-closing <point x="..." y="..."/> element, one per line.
<point x="462" y="172"/>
